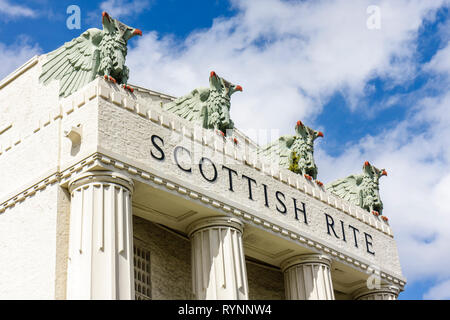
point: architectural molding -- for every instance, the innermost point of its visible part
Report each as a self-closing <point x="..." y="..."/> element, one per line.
<point x="267" y="253"/>
<point x="180" y="218"/>
<point x="305" y="259"/>
<point x="5" y="128"/>
<point x="211" y="222"/>
<point x="383" y="292"/>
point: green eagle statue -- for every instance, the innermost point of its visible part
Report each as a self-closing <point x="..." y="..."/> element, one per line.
<point x="295" y="152"/>
<point x="361" y="190"/>
<point x="208" y="107"/>
<point x="94" y="53"/>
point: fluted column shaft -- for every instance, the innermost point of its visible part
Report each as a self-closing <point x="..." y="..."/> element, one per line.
<point x="308" y="277"/>
<point x="218" y="261"/>
<point x="384" y="292"/>
<point x="101" y="237"/>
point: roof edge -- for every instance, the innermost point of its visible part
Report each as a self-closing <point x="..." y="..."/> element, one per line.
<point x="19" y="71"/>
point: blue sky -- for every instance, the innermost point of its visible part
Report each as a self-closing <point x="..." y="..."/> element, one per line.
<point x="378" y="94"/>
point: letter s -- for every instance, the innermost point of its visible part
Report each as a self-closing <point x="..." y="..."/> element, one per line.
<point x="162" y="155"/>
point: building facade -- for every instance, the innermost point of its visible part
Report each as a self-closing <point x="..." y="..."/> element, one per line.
<point x="104" y="195"/>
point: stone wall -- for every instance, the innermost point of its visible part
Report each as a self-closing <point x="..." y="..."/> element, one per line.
<point x="264" y="283"/>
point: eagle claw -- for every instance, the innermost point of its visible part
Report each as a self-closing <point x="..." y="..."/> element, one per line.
<point x="221" y="133"/>
<point x="110" y="78"/>
<point x="127" y="87"/>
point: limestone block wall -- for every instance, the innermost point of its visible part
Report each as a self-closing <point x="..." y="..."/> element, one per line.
<point x="264" y="283"/>
<point x="170" y="260"/>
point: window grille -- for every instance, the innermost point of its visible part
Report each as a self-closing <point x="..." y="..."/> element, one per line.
<point x="142" y="283"/>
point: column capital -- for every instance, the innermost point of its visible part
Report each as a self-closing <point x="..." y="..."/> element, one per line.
<point x="218" y="260"/>
<point x="101" y="177"/>
<point x="364" y="293"/>
<point x="306" y="259"/>
<point x="211" y="222"/>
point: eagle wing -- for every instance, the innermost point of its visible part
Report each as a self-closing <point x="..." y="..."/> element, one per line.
<point x="347" y="189"/>
<point x="192" y="106"/>
<point x="279" y="150"/>
<point x="74" y="64"/>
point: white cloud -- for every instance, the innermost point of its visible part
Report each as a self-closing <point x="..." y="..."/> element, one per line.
<point x="441" y="61"/>
<point x="290" y="57"/>
<point x="9" y="10"/>
<point x="415" y="193"/>
<point x="122" y="8"/>
<point x="439" y="292"/>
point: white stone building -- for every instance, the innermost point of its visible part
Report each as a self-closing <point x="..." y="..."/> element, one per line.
<point x="103" y="195"/>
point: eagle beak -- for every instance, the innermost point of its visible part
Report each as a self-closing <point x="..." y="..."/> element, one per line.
<point x="320" y="134"/>
<point x="384" y="173"/>
<point x="137" y="32"/>
<point x="238" y="88"/>
<point x="104" y="15"/>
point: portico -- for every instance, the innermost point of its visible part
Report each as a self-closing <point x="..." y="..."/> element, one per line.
<point x="220" y="246"/>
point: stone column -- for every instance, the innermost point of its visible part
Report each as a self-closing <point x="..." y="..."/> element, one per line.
<point x="218" y="261"/>
<point x="101" y="237"/>
<point x="384" y="292"/>
<point x="308" y="277"/>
